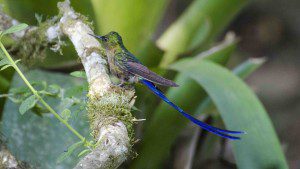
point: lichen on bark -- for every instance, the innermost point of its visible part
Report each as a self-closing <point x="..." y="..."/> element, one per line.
<point x="109" y="106"/>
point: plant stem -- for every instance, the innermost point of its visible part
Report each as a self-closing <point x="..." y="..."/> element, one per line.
<point x="47" y="106"/>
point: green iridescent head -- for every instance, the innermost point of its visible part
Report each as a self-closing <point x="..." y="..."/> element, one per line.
<point x="110" y="40"/>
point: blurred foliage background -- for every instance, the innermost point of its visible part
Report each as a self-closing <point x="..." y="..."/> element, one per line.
<point x="178" y="33"/>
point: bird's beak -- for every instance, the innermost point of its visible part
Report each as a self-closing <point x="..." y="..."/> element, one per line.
<point x="96" y="36"/>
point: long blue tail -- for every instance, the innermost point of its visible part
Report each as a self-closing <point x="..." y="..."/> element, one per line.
<point x="215" y="130"/>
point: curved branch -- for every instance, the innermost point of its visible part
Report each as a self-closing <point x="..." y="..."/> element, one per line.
<point x="112" y="135"/>
<point x="109" y="106"/>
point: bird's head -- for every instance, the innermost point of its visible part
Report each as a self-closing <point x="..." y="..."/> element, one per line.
<point x="110" y="41"/>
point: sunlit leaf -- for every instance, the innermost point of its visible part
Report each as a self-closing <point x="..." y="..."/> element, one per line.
<point x="80" y="74"/>
<point x="201" y="20"/>
<point x="15" y="28"/>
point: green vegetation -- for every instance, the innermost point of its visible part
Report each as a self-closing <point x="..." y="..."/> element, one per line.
<point x="53" y="111"/>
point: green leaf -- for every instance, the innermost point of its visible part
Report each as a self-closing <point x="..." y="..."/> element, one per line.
<point x="150" y="55"/>
<point x="17" y="61"/>
<point x="4" y="83"/>
<point x="84" y="152"/>
<point x="15" y="100"/>
<point x="17" y="9"/>
<point x="163" y="124"/>
<point x="240" y="110"/>
<point x="201" y="35"/>
<point x="43" y="137"/>
<point x="4" y="67"/>
<point x="75" y="90"/>
<point x="65" y="103"/>
<point x="242" y="71"/>
<point x="2" y="55"/>
<point x="54" y="89"/>
<point x="135" y="109"/>
<point x="67" y="154"/>
<point x="248" y="67"/>
<point x="15" y="28"/>
<point x="199" y="24"/>
<point x="39" y="85"/>
<point x="38" y="18"/>
<point x="80" y="74"/>
<point x="27" y="104"/>
<point x="20" y="90"/>
<point x="135" y="20"/>
<point x="209" y="146"/>
<point x="66" y="114"/>
<point x="4" y="62"/>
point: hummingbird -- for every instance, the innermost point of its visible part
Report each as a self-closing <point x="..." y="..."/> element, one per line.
<point x="129" y="70"/>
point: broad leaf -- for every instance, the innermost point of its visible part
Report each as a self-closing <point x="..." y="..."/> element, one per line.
<point x="43" y="138"/>
<point x="199" y="24"/>
<point x="240" y="110"/>
<point x="4" y="62"/>
<point x="209" y="145"/>
<point x="164" y="124"/>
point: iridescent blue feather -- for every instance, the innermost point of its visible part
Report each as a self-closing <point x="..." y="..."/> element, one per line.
<point x="215" y="130"/>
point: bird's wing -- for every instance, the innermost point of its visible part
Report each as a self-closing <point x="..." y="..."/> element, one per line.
<point x="140" y="70"/>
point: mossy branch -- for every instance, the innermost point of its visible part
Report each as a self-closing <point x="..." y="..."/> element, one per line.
<point x="109" y="106"/>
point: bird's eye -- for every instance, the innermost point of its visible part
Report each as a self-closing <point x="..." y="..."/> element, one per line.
<point x="105" y="39"/>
